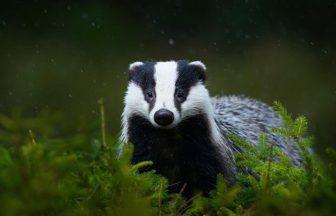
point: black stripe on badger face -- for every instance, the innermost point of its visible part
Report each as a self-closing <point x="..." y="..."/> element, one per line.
<point x="189" y="74"/>
<point x="143" y="75"/>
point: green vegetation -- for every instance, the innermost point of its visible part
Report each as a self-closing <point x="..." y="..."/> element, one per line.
<point x="42" y="174"/>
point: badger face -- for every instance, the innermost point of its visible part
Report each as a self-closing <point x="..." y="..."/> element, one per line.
<point x="166" y="93"/>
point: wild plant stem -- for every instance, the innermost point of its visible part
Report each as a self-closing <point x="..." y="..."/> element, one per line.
<point x="32" y="137"/>
<point x="267" y="179"/>
<point x="102" y="121"/>
<point x="160" y="191"/>
<point x="186" y="203"/>
<point x="183" y="188"/>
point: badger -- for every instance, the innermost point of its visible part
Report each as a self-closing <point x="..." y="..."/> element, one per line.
<point x="172" y="121"/>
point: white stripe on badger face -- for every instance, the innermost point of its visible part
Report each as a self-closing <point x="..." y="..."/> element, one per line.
<point x="165" y="77"/>
<point x="134" y="100"/>
<point x="134" y="104"/>
<point x="198" y="102"/>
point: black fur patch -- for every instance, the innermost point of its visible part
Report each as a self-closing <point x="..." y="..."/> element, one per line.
<point x="184" y="154"/>
<point x="143" y="75"/>
<point x="188" y="76"/>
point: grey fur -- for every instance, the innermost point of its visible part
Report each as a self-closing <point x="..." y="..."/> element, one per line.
<point x="248" y="118"/>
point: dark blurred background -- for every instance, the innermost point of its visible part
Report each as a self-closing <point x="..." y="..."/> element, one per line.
<point x="62" y="56"/>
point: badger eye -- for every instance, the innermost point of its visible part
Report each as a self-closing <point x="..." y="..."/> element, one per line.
<point x="150" y="95"/>
<point x="180" y="95"/>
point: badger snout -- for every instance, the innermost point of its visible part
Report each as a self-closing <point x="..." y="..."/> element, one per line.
<point x="163" y="117"/>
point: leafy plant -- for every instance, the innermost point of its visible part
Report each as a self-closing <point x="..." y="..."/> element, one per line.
<point x="42" y="174"/>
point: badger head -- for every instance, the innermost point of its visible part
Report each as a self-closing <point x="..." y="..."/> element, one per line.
<point x="166" y="93"/>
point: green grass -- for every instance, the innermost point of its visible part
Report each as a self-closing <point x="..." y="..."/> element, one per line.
<point x="44" y="173"/>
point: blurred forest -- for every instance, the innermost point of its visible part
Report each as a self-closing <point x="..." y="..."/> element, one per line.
<point x="60" y="57"/>
<point x="58" y="143"/>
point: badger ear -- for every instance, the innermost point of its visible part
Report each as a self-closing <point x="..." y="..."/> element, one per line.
<point x="132" y="69"/>
<point x="200" y="69"/>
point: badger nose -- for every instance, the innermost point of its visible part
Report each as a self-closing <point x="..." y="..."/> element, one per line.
<point x="163" y="117"/>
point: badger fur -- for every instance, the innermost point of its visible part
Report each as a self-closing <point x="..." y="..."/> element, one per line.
<point x="172" y="121"/>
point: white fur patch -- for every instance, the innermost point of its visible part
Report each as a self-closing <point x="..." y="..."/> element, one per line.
<point x="134" y="104"/>
<point x="199" y="102"/>
<point x="135" y="64"/>
<point x="199" y="64"/>
<point x="165" y="77"/>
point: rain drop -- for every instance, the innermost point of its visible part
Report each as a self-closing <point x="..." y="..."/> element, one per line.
<point x="171" y="42"/>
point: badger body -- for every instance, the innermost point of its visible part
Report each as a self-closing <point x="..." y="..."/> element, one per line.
<point x="172" y="121"/>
